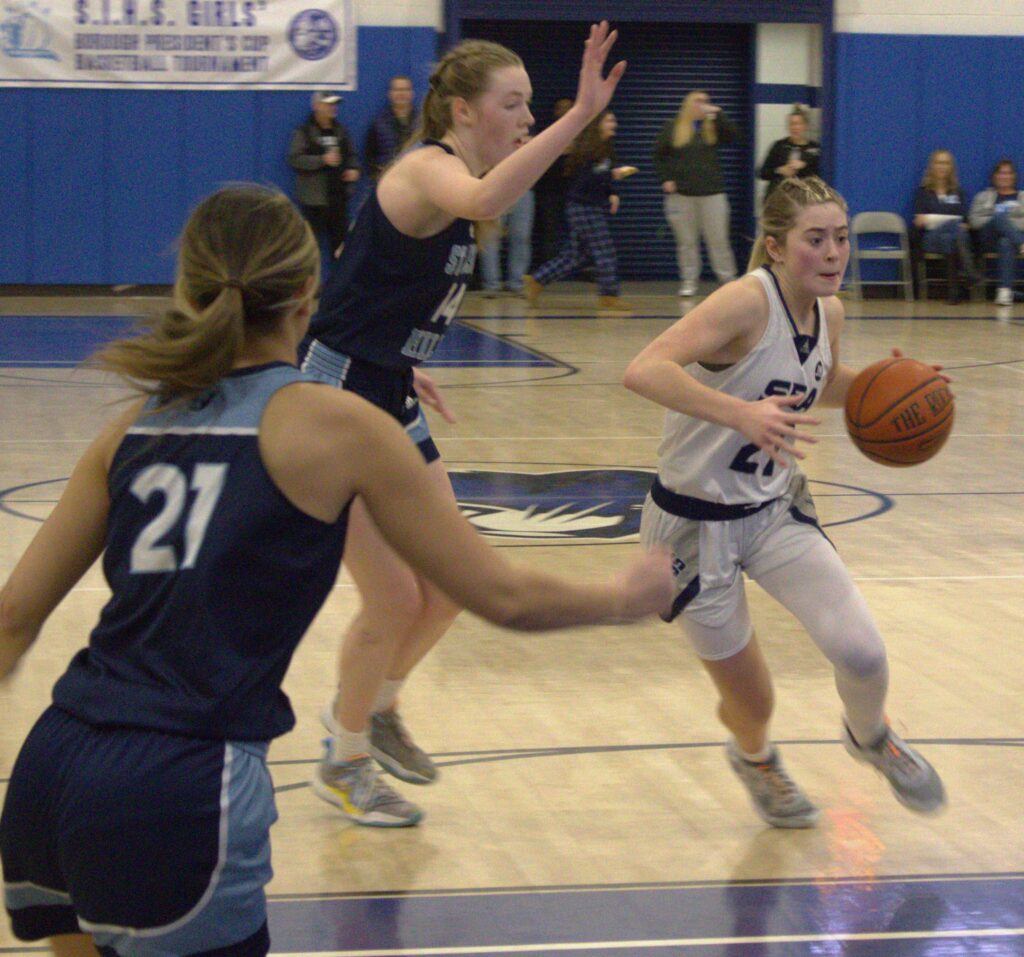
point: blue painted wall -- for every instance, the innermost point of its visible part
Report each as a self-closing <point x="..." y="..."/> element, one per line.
<point x="97" y="183"/>
<point x="900" y="97"/>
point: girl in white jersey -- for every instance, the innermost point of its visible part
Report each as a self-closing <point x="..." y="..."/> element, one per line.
<point x="738" y="374"/>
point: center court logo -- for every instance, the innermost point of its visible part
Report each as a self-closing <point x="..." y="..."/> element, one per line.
<point x="593" y="505"/>
<point x="313" y="34"/>
<point x="583" y="504"/>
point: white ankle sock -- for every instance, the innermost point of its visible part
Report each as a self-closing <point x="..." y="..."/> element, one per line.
<point x="387" y="693"/>
<point x="347" y="745"/>
<point x="757" y="758"/>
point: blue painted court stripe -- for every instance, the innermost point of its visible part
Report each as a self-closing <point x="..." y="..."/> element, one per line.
<point x="61" y="341"/>
<point x="691" y="916"/>
<point x="54" y="341"/>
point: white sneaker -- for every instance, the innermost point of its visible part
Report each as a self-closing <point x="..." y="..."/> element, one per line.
<point x="1004" y="296"/>
<point x="688" y="289"/>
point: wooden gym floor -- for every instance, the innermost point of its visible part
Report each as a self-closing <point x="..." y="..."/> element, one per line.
<point x="584" y="804"/>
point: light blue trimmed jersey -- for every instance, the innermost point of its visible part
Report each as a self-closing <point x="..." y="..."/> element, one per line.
<point x="390" y="298"/>
<point x="215" y="574"/>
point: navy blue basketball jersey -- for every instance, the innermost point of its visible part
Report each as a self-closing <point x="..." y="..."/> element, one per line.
<point x="390" y="298"/>
<point x="215" y="575"/>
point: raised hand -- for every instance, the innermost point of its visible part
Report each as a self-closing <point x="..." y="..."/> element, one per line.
<point x="595" y="90"/>
<point x="770" y="425"/>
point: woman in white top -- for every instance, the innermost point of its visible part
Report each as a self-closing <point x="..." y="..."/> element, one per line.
<point x="997" y="215"/>
<point x="738" y="374"/>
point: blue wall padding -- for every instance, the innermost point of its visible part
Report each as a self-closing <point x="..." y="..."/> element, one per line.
<point x="97" y="183"/>
<point x="900" y="97"/>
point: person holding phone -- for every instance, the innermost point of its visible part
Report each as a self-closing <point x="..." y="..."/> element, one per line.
<point x="696" y="205"/>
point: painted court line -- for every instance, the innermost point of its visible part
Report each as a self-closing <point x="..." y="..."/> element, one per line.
<point x="558" y="438"/>
<point x="856" y="578"/>
<point x="681" y="942"/>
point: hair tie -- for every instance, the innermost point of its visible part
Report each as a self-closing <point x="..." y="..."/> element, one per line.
<point x="233" y="284"/>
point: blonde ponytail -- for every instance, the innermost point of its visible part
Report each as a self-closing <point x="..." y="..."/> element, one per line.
<point x="245" y="262"/>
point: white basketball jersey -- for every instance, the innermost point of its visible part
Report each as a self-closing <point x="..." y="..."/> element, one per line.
<point x="718" y="464"/>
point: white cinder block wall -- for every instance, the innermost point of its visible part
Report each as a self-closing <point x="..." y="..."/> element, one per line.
<point x="935" y="17"/>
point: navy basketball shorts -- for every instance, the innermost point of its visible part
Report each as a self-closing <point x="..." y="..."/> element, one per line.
<point x="155" y="844"/>
<point x="388" y="389"/>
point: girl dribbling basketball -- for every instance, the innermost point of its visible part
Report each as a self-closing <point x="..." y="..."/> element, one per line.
<point x="738" y="374"/>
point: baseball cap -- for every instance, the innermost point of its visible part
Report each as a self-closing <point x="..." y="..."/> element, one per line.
<point x="325" y="96"/>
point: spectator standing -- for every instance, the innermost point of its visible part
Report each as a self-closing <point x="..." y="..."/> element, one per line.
<point x="516" y="226"/>
<point x="325" y="164"/>
<point x="550" y="191"/>
<point x="997" y="213"/>
<point x="940" y="221"/>
<point x="591" y="200"/>
<point x="686" y="159"/>
<point x="391" y="127"/>
<point x="795" y="155"/>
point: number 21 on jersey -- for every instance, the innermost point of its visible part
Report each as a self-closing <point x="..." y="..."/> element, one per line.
<point x="169" y="481"/>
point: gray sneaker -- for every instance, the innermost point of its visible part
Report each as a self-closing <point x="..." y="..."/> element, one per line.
<point x="355" y="788"/>
<point x="913" y="780"/>
<point x="396" y="752"/>
<point x="391" y="745"/>
<point x="776" y="796"/>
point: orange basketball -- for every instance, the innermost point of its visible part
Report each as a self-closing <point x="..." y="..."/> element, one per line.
<point x="899" y="412"/>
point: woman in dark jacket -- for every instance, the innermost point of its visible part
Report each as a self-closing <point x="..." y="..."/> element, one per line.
<point x="940" y="218"/>
<point x="686" y="159"/>
<point x="796" y="155"/>
<point x="590" y="200"/>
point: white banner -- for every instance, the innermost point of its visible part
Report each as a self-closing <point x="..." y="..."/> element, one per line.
<point x="179" y="44"/>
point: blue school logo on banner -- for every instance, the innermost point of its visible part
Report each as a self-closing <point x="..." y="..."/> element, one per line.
<point x="313" y="34"/>
<point x="557" y="506"/>
<point x="25" y="35"/>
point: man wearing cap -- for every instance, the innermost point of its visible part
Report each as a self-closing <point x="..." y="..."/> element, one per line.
<point x="391" y="127"/>
<point x="325" y="164"/>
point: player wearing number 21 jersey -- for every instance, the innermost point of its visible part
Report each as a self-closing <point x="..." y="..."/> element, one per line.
<point x="701" y="459"/>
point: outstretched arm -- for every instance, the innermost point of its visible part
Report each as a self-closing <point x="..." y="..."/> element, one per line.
<point x="70" y="540"/>
<point x="446" y="183"/>
<point x="425" y="527"/>
<point x="322" y="446"/>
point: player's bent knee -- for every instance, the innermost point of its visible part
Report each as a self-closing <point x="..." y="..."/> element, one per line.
<point x="437" y="606"/>
<point x="863" y="661"/>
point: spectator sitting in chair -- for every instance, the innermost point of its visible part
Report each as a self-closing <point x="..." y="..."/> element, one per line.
<point x="997" y="213"/>
<point x="940" y="210"/>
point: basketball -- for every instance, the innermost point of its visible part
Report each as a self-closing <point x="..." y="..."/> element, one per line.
<point x="899" y="412"/>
